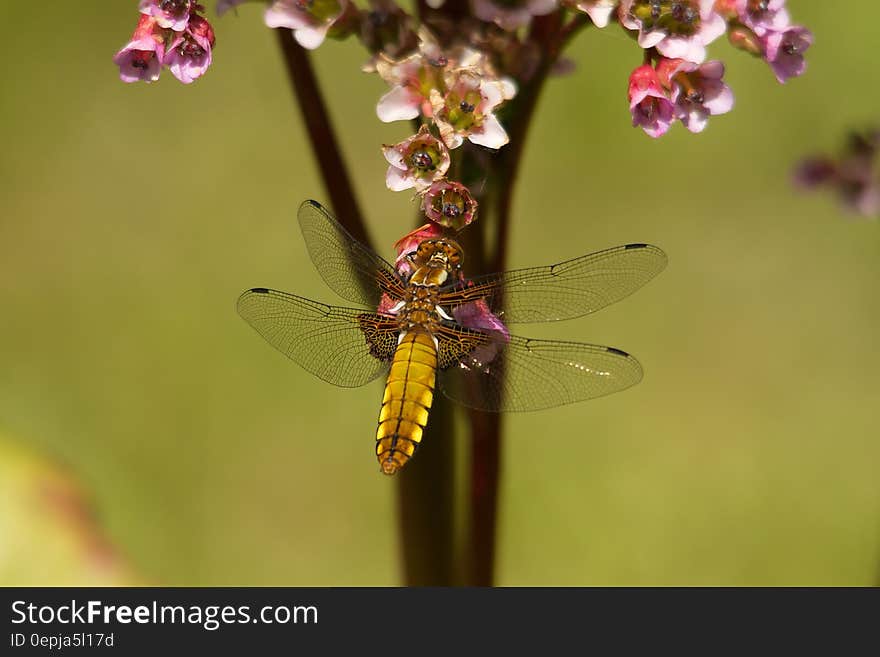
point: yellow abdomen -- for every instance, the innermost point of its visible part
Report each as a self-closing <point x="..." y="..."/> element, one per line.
<point x="408" y="396"/>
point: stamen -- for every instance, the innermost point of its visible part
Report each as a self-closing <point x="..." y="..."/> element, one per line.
<point x="190" y="48"/>
<point x="683" y="12"/>
<point x="451" y="210"/>
<point x="141" y="59"/>
<point x="421" y="159"/>
<point x="695" y="96"/>
<point x="174" y="7"/>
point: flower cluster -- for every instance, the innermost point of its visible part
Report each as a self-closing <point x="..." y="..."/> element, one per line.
<point x="675" y="82"/>
<point x="451" y="72"/>
<point x="854" y="176"/>
<point x="170" y="33"/>
<point x="454" y="94"/>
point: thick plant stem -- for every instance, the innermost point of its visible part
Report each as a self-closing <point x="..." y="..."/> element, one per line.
<point x="486" y="428"/>
<point x="478" y="550"/>
<point x="325" y="147"/>
<point x="426" y="504"/>
<point x="485" y="481"/>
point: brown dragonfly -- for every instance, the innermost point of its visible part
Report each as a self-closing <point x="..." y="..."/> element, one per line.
<point x="430" y="327"/>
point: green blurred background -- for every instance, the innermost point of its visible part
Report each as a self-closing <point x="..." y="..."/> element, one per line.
<point x="133" y="215"/>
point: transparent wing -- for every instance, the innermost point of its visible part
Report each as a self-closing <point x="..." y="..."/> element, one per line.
<point x="343" y="346"/>
<point x="529" y="375"/>
<point x="570" y="289"/>
<point x="352" y="270"/>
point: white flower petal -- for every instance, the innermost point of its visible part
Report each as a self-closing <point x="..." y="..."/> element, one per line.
<point x="397" y="180"/>
<point x="721" y="101"/>
<point x="650" y="39"/>
<point x="493" y="94"/>
<point x="281" y="14"/>
<point x="508" y="88"/>
<point x="491" y="133"/>
<point x="712" y="29"/>
<point x="311" y="37"/>
<point x="470" y="58"/>
<point x="687" y="48"/>
<point x="696" y="120"/>
<point x="599" y="13"/>
<point x="398" y="104"/>
<point x="450" y="138"/>
<point x="393" y="156"/>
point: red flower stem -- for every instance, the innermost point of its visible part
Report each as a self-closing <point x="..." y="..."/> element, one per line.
<point x="325" y="146"/>
<point x="486" y="428"/>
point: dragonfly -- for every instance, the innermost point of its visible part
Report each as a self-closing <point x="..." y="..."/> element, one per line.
<point x="423" y="327"/>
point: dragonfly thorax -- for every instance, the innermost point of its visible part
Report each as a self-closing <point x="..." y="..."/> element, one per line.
<point x="419" y="308"/>
<point x="440" y="253"/>
<point x="434" y="261"/>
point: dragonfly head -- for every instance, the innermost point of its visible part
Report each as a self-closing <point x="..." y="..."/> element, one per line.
<point x="441" y="253"/>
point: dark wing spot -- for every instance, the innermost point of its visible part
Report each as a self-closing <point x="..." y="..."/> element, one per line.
<point x="260" y="290"/>
<point x="619" y="352"/>
<point x="314" y="204"/>
<point x="636" y="246"/>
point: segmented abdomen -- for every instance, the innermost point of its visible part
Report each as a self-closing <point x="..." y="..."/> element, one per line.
<point x="409" y="392"/>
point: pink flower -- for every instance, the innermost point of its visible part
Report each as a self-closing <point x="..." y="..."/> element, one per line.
<point x="476" y="315"/>
<point x="650" y="107"/>
<point x="511" y="14"/>
<point x="784" y="51"/>
<point x="599" y="11"/>
<point x="762" y="16"/>
<point x="449" y="204"/>
<point x="815" y="171"/>
<point x="310" y="20"/>
<point x="866" y="200"/>
<point x="465" y="110"/>
<point x="855" y="176"/>
<point x="697" y="90"/>
<point x="412" y="79"/>
<point x="189" y="56"/>
<point x="416" y="162"/>
<point x="141" y="58"/>
<point x="169" y="14"/>
<point x="680" y="29"/>
<point x="416" y="79"/>
<point x="407" y="245"/>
